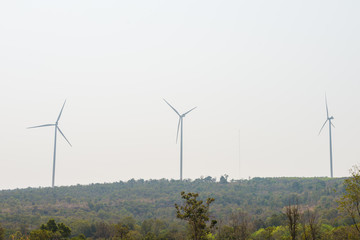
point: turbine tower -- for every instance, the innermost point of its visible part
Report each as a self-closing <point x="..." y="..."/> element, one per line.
<point x="329" y="119"/>
<point x="180" y="124"/>
<point x="56" y="129"/>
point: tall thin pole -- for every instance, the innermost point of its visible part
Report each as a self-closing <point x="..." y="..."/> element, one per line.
<point x="331" y="162"/>
<point x="53" y="175"/>
<point x="239" y="158"/>
<point x="181" y="149"/>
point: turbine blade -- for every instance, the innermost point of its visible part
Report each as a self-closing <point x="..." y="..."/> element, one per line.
<point x="189" y="111"/>
<point x="327" y="110"/>
<point x="64" y="136"/>
<point x="61" y="111"/>
<point x="323" y="126"/>
<point x="172" y="107"/>
<point x="177" y="133"/>
<point x="45" y="125"/>
<point x="332" y="124"/>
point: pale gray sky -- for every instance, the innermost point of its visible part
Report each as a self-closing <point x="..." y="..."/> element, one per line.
<point x="259" y="66"/>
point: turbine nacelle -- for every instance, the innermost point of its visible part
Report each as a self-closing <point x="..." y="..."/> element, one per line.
<point x="181" y="116"/>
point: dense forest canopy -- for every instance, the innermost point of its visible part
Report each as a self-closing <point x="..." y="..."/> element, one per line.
<point x="263" y="199"/>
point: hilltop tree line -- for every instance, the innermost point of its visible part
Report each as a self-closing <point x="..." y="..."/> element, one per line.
<point x="260" y="208"/>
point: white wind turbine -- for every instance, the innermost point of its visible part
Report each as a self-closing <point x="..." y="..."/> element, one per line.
<point x="56" y="129"/>
<point x="181" y="116"/>
<point x="328" y="119"/>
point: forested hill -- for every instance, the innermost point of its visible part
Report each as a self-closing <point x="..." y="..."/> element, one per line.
<point x="262" y="198"/>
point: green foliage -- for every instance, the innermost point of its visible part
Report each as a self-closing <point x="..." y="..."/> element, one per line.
<point x="41" y="234"/>
<point x="343" y="233"/>
<point x="103" y="230"/>
<point x="276" y="219"/>
<point x="80" y="237"/>
<point x="349" y="203"/>
<point x="94" y="210"/>
<point x="125" y="228"/>
<point x="196" y="213"/>
<point x="263" y="234"/>
<point x="239" y="226"/>
<point x="18" y="236"/>
<point x="50" y="226"/>
<point x="51" y="230"/>
<point x="293" y="214"/>
<point x="261" y="197"/>
<point x="280" y="232"/>
<point x="224" y="179"/>
<point x="64" y="230"/>
<point x="2" y="232"/>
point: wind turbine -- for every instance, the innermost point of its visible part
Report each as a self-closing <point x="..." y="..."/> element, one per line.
<point x="181" y="116"/>
<point x="56" y="129"/>
<point x="328" y="119"/>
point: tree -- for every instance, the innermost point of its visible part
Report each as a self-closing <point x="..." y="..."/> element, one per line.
<point x="264" y="234"/>
<point x="276" y="219"/>
<point x="240" y="222"/>
<point x="293" y="215"/>
<point x="124" y="227"/>
<point x="64" y="230"/>
<point x="18" y="236"/>
<point x="51" y="230"/>
<point x="103" y="230"/>
<point x="240" y="227"/>
<point x="50" y="226"/>
<point x="225" y="232"/>
<point x="311" y="226"/>
<point x="349" y="203"/>
<point x="121" y="230"/>
<point x="2" y="232"/>
<point x="209" y="179"/>
<point x="41" y="234"/>
<point x="224" y="179"/>
<point x="197" y="214"/>
<point x="80" y="237"/>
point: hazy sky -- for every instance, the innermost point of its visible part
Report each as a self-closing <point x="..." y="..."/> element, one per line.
<point x="261" y="67"/>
